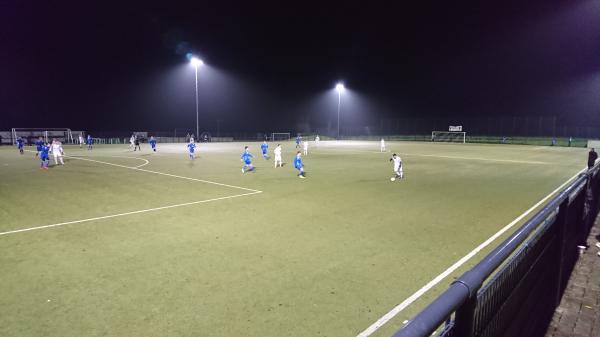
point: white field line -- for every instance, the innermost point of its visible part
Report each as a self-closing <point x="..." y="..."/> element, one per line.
<point x="166" y="174"/>
<point x="127" y="213"/>
<point x="144" y="164"/>
<point x="450" y="157"/>
<point x="397" y="309"/>
<point x="483" y="159"/>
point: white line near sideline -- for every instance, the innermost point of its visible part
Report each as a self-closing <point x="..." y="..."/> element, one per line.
<point x="126" y="213"/>
<point x="397" y="309"/>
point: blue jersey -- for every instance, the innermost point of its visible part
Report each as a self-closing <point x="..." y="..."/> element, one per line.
<point x="89" y="140"/>
<point x="247" y="157"/>
<point x="44" y="152"/>
<point x="153" y="142"/>
<point x="265" y="148"/>
<point x="191" y="147"/>
<point x="39" y="144"/>
<point x="298" y="162"/>
<point x="20" y="143"/>
<point x="297" y="140"/>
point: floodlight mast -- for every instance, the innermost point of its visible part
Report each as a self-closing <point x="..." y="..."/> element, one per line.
<point x="339" y="88"/>
<point x="196" y="62"/>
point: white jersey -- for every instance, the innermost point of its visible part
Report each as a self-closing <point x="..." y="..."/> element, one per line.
<point x="397" y="163"/>
<point x="277" y="152"/>
<point x="382" y="143"/>
<point x="305" y="145"/>
<point x="56" y="148"/>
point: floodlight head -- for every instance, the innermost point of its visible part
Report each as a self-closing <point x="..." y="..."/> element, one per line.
<point x="339" y="87"/>
<point x="196" y="62"/>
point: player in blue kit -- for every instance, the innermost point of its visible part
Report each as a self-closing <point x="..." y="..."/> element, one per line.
<point x="44" y="156"/>
<point x="152" y="142"/>
<point x="191" y="147"/>
<point x="265" y="150"/>
<point x="299" y="165"/>
<point x="298" y="140"/>
<point x="247" y="160"/>
<point x="20" y="144"/>
<point x="90" y="142"/>
<point x="38" y="146"/>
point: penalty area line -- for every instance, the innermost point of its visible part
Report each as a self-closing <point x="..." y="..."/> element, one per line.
<point x="165" y="174"/>
<point x="126" y="213"/>
<point x="397" y="309"/>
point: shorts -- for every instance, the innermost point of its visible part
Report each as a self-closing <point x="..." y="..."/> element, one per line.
<point x="247" y="162"/>
<point x="44" y="157"/>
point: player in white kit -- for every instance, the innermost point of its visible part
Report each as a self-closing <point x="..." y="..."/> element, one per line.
<point x="277" y="153"/>
<point x="132" y="141"/>
<point x="398" y="170"/>
<point x="57" y="151"/>
<point x="81" y="141"/>
<point x="305" y="146"/>
<point x="317" y="140"/>
<point x="382" y="145"/>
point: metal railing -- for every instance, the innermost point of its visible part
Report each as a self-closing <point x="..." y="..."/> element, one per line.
<point x="515" y="289"/>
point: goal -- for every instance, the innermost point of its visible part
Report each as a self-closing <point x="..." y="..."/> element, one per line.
<point x="449" y="136"/>
<point x="280" y="136"/>
<point x="65" y="135"/>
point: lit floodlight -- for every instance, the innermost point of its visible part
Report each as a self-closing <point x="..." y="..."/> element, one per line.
<point x="196" y="62"/>
<point x="339" y="87"/>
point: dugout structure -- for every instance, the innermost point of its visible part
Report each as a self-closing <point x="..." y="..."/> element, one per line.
<point x="65" y="135"/>
<point x="449" y="136"/>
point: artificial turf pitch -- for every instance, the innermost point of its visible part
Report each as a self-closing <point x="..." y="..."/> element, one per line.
<point x="146" y="252"/>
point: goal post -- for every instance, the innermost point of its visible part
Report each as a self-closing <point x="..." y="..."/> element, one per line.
<point x="281" y="136"/>
<point x="449" y="136"/>
<point x="30" y="134"/>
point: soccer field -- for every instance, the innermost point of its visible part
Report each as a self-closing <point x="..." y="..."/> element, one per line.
<point x="123" y="243"/>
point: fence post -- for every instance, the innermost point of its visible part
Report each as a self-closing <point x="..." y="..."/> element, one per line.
<point x="561" y="221"/>
<point x="465" y="314"/>
<point x="463" y="321"/>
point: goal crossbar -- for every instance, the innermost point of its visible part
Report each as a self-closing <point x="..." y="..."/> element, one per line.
<point x="45" y="133"/>
<point x="280" y="136"/>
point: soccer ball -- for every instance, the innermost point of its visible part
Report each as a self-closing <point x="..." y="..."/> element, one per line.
<point x="393" y="178"/>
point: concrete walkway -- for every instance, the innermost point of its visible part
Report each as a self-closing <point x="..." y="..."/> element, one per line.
<point x="578" y="314"/>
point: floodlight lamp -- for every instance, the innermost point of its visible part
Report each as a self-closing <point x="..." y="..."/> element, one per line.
<point x="196" y="62"/>
<point x="339" y="87"/>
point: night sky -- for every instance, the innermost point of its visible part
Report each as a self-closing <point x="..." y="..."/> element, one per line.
<point x="114" y="66"/>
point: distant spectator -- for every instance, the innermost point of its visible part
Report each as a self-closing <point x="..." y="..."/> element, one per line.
<point x="570" y="141"/>
<point x="553" y="141"/>
<point x="592" y="156"/>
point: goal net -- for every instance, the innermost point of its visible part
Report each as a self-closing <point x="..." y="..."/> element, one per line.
<point x="65" y="135"/>
<point x="449" y="136"/>
<point x="281" y="136"/>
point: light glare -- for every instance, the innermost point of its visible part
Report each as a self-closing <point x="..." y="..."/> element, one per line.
<point x="339" y="87"/>
<point x="196" y="62"/>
